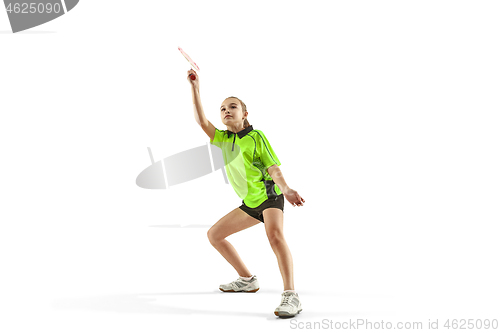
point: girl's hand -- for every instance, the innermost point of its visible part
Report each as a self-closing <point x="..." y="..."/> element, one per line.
<point x="196" y="82"/>
<point x="294" y="198"/>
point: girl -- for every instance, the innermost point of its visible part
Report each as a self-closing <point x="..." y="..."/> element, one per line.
<point x="253" y="171"/>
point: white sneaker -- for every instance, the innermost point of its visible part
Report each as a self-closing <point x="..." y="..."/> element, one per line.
<point x="290" y="305"/>
<point x="241" y="285"/>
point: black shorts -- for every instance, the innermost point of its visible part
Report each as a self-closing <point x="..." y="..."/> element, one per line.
<point x="276" y="202"/>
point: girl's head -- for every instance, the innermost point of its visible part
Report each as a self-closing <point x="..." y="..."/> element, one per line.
<point x="236" y="111"/>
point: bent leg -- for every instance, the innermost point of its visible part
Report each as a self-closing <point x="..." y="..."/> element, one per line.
<point x="234" y="221"/>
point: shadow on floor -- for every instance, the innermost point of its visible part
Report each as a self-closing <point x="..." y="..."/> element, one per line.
<point x="27" y="32"/>
<point x="144" y="303"/>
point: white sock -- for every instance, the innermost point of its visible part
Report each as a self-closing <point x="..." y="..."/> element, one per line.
<point x="246" y="278"/>
<point x="293" y="291"/>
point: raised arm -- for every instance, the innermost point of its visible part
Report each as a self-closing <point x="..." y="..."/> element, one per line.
<point x="199" y="115"/>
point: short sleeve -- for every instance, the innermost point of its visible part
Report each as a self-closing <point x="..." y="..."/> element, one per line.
<point x="218" y="136"/>
<point x="266" y="152"/>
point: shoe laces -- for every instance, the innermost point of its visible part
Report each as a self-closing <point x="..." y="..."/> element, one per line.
<point x="286" y="299"/>
<point x="234" y="285"/>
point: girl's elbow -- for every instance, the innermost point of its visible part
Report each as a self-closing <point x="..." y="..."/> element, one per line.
<point x="274" y="170"/>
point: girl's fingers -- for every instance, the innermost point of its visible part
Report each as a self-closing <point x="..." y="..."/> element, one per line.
<point x="298" y="201"/>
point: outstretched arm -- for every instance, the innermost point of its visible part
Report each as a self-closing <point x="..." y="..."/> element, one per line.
<point x="199" y="115"/>
<point x="291" y="195"/>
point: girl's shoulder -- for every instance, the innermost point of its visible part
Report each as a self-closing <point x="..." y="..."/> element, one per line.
<point x="259" y="137"/>
<point x="256" y="131"/>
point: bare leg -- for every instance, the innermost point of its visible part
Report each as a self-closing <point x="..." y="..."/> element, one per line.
<point x="233" y="222"/>
<point x="273" y="218"/>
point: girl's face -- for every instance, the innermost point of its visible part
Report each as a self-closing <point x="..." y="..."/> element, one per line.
<point x="231" y="112"/>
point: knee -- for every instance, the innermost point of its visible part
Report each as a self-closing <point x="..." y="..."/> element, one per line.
<point x="212" y="236"/>
<point x="275" y="238"/>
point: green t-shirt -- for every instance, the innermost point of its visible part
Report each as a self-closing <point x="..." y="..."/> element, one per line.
<point x="247" y="155"/>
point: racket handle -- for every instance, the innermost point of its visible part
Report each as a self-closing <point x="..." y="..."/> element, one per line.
<point x="192" y="76"/>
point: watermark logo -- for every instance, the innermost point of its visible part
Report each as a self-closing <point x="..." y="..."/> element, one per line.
<point x="24" y="15"/>
<point x="182" y="167"/>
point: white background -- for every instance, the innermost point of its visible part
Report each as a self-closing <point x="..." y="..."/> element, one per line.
<point x="384" y="115"/>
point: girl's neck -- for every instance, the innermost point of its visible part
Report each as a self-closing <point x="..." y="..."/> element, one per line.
<point x="237" y="128"/>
